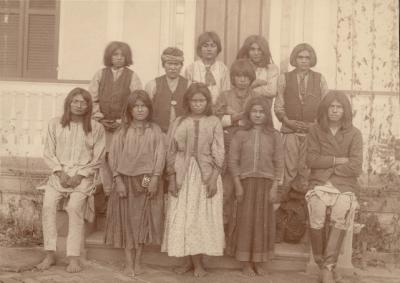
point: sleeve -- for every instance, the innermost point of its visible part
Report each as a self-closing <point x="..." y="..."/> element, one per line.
<point x="135" y="82"/>
<point x="217" y="146"/>
<point x="172" y="148"/>
<point x="314" y="158"/>
<point x="150" y="88"/>
<point x="159" y="160"/>
<point x="278" y="158"/>
<point x="354" y="166"/>
<point x="220" y="110"/>
<point x="94" y="91"/>
<point x="225" y="78"/>
<point x="270" y="89"/>
<point x="49" y="152"/>
<point x="324" y="86"/>
<point x="279" y="105"/>
<point x="116" y="150"/>
<point x="189" y="73"/>
<point x="99" y="137"/>
<point x="234" y="155"/>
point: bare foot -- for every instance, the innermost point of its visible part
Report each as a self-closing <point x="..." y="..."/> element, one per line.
<point x="183" y="269"/>
<point x="260" y="269"/>
<point x="199" y="271"/>
<point x="128" y="271"/>
<point x="74" y="265"/>
<point x="248" y="269"/>
<point x="138" y="269"/>
<point x="48" y="261"/>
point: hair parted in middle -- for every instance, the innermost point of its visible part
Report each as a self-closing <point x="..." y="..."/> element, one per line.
<point x="322" y="115"/>
<point x="193" y="89"/>
<point x="299" y="48"/>
<point x="262" y="43"/>
<point x="242" y="67"/>
<point x="87" y="117"/>
<point x="114" y="46"/>
<point x="208" y="36"/>
<point x="127" y="115"/>
<point x="263" y="102"/>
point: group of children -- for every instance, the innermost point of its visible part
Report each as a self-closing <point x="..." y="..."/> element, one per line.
<point x="208" y="139"/>
<point x="174" y="137"/>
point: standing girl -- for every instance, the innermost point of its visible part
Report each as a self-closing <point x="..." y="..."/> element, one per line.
<point x="110" y="88"/>
<point x="256" y="49"/>
<point x="207" y="69"/>
<point x="137" y="158"/>
<point x="194" y="224"/>
<point x="256" y="164"/>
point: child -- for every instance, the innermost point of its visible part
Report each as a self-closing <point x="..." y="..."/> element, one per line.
<point x="137" y="158"/>
<point x="256" y="164"/>
<point x="194" y="223"/>
<point x="167" y="91"/>
<point x="208" y="70"/>
<point x="110" y="88"/>
<point x="256" y="49"/>
<point x="230" y="109"/>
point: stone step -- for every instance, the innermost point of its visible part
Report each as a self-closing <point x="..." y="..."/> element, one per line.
<point x="287" y="257"/>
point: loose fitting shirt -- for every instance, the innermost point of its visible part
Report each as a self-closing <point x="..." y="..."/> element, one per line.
<point x="269" y="74"/>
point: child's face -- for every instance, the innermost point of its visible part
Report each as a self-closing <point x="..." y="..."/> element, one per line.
<point x="257" y="115"/>
<point x="335" y="111"/>
<point x="140" y="111"/>
<point x="209" y="50"/>
<point x="255" y="53"/>
<point x="79" y="105"/>
<point x="118" y="59"/>
<point x="242" y="81"/>
<point x="198" y="103"/>
<point x="172" y="69"/>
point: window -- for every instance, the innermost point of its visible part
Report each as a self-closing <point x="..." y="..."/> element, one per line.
<point x="29" y="38"/>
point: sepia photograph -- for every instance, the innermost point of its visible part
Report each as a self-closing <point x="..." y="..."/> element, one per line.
<point x="199" y="141"/>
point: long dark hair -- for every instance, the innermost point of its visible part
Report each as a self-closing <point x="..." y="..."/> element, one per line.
<point x="263" y="102"/>
<point x="262" y="43"/>
<point x="127" y="116"/>
<point x="322" y="116"/>
<point x="114" y="46"/>
<point x="191" y="91"/>
<point x="86" y="119"/>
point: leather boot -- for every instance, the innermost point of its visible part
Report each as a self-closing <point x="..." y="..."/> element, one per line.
<point x="331" y="254"/>
<point x="317" y="238"/>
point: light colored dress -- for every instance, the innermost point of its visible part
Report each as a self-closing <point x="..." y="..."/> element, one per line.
<point x="194" y="223"/>
<point x="196" y="72"/>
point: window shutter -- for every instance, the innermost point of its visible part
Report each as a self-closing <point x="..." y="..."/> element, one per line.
<point x="10" y="38"/>
<point x="40" y="40"/>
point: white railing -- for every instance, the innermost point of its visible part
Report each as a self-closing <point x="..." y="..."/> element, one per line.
<point x="26" y="107"/>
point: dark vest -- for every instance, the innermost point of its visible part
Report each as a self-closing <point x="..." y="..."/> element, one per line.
<point x="113" y="95"/>
<point x="305" y="111"/>
<point x="162" y="101"/>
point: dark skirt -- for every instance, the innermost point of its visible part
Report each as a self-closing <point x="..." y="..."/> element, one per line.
<point x="252" y="232"/>
<point x="136" y="219"/>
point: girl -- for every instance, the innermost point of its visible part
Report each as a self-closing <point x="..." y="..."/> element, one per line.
<point x="137" y="158"/>
<point x="194" y="224"/>
<point x="256" y="164"/>
<point x="230" y="109"/>
<point x="256" y="49"/>
<point x="207" y="69"/>
<point x="110" y="88"/>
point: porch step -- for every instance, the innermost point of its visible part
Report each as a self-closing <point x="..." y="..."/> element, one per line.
<point x="288" y="257"/>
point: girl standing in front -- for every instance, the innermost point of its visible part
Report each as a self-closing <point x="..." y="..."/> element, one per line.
<point x="194" y="224"/>
<point x="256" y="165"/>
<point x="208" y="69"/>
<point x="110" y="88"/>
<point x="137" y="158"/>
